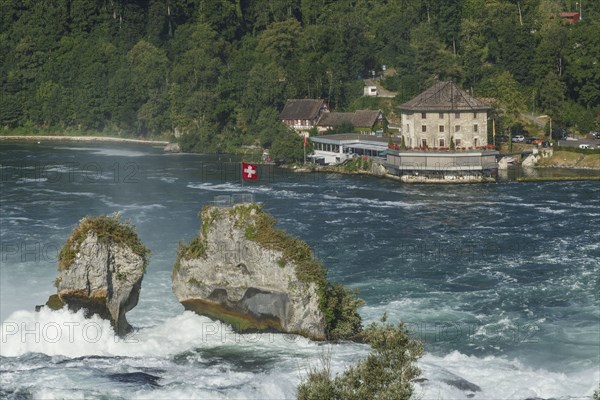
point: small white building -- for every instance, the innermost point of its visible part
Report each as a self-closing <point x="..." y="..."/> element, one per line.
<point x="335" y="149"/>
<point x="370" y="91"/>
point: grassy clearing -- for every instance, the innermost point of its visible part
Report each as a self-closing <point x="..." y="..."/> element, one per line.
<point x="110" y="230"/>
<point x="571" y="159"/>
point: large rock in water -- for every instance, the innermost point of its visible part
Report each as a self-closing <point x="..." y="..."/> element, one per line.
<point x="243" y="271"/>
<point x="101" y="267"/>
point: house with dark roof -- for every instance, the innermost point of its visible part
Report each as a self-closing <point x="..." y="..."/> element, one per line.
<point x="442" y="114"/>
<point x="361" y="120"/>
<point x="570" y="17"/>
<point x="303" y="114"/>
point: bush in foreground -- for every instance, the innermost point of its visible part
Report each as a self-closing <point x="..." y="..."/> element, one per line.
<point x="388" y="372"/>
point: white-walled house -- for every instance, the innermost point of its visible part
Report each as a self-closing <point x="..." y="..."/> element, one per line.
<point x="303" y="114"/>
<point x="441" y="114"/>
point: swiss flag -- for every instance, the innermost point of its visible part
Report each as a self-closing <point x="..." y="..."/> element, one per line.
<point x="249" y="172"/>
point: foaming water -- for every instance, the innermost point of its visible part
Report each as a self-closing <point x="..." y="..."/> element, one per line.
<point x="164" y="359"/>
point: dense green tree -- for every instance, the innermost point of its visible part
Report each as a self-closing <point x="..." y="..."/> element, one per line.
<point x="287" y="146"/>
<point x="552" y="96"/>
<point x="432" y="58"/>
<point x="582" y="63"/>
<point x="195" y="75"/>
<point x="210" y="68"/>
<point x="508" y="97"/>
<point x="549" y="54"/>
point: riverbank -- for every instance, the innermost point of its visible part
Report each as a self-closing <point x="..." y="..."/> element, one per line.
<point x="556" y="178"/>
<point x="571" y="160"/>
<point x="40" y="138"/>
<point x="368" y="168"/>
<point x="375" y="170"/>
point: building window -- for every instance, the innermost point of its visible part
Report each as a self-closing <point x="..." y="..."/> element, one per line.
<point x="457" y="115"/>
<point x="475" y="142"/>
<point x="424" y="142"/>
<point x="441" y="115"/>
<point x="423" y="128"/>
<point x="423" y="115"/>
<point x="407" y="128"/>
<point x="475" y="128"/>
<point x="441" y="128"/>
<point x="442" y="143"/>
<point x="474" y="115"/>
<point x="457" y="142"/>
<point x="456" y="128"/>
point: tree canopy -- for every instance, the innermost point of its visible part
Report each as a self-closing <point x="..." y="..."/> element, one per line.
<point x="217" y="70"/>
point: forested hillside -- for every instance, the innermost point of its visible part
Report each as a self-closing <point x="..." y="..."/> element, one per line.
<point x="221" y="70"/>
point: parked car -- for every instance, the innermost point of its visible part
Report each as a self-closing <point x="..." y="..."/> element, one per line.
<point x="532" y="140"/>
<point x="504" y="138"/>
<point x="585" y="146"/>
<point x="518" y="138"/>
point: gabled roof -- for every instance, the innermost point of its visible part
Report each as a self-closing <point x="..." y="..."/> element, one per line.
<point x="358" y="119"/>
<point x="444" y="96"/>
<point x="301" y="109"/>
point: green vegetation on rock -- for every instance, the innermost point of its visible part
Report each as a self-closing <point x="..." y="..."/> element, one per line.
<point x="54" y="302"/>
<point x="357" y="164"/>
<point x="388" y="372"/>
<point x="110" y="230"/>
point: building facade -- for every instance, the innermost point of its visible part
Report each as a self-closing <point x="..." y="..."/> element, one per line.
<point x="303" y="114"/>
<point x="335" y="149"/>
<point x="444" y="117"/>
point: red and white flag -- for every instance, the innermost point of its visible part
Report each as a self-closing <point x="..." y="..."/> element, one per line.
<point x="249" y="172"/>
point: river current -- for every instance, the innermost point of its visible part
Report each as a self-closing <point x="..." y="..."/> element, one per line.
<point x="501" y="280"/>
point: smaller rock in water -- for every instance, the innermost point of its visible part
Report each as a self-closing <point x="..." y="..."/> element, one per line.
<point x="101" y="267"/>
<point x="173" y="148"/>
<point x="139" y="378"/>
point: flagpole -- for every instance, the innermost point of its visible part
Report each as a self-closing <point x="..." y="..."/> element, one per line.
<point x="305" y="133"/>
<point x="494" y="130"/>
<point x="242" y="173"/>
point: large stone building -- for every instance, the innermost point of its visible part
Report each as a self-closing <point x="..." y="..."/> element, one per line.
<point x="441" y="114"/>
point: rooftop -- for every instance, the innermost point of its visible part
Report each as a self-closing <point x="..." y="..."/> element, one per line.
<point x="358" y="119"/>
<point x="344" y="138"/>
<point x="444" y="96"/>
<point x="301" y="108"/>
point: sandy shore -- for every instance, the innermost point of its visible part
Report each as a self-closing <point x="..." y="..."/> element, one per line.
<point x="80" y="139"/>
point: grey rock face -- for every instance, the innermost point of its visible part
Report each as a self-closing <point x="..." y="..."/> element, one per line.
<point x="239" y="281"/>
<point x="104" y="279"/>
<point x="173" y="148"/>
